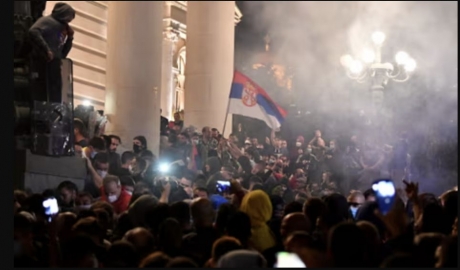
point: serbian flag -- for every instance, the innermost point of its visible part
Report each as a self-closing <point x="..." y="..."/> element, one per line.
<point x="249" y="99"/>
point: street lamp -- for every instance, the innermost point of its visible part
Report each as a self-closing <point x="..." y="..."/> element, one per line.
<point x="369" y="64"/>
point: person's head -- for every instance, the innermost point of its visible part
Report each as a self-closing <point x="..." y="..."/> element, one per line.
<point x="283" y="143"/>
<point x="318" y="133"/>
<point x="214" y="133"/>
<point x="63" y="13"/>
<point x="233" y="138"/>
<point x="91" y="227"/>
<point x="181" y="212"/>
<point x="239" y="226"/>
<point x="186" y="182"/>
<point x="183" y="138"/>
<point x="139" y="144"/>
<point x="127" y="183"/>
<point x="157" y="259"/>
<point x="298" y="240"/>
<point x="181" y="262"/>
<point x="294" y="222"/>
<point x="447" y="253"/>
<point x="127" y="160"/>
<point x="23" y="233"/>
<point x="206" y="132"/>
<point x="369" y="195"/>
<point x="325" y="177"/>
<point x="254" y="142"/>
<point x="142" y="240"/>
<point x="242" y="259"/>
<point x="121" y="254"/>
<point x="309" y="148"/>
<point x="112" y="187"/>
<point x="84" y="200"/>
<point x="333" y="144"/>
<point x="68" y="192"/>
<point x="313" y="209"/>
<point x="347" y="245"/>
<point x="292" y="207"/>
<point x="227" y="172"/>
<point x="202" y="213"/>
<point x="169" y="235"/>
<point x="80" y="252"/>
<point x="425" y="245"/>
<point x="257" y="205"/>
<point x="97" y="145"/>
<point x="222" y="246"/>
<point x="79" y="129"/>
<point x="177" y="116"/>
<point x="101" y="164"/>
<point x="355" y="200"/>
<point x="115" y="141"/>
<point x="200" y="192"/>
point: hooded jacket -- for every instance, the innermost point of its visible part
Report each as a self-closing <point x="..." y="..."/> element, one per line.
<point x="48" y="33"/>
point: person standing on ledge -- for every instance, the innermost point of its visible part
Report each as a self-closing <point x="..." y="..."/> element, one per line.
<point x="51" y="37"/>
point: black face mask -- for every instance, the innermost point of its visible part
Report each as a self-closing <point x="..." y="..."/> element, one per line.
<point x="136" y="148"/>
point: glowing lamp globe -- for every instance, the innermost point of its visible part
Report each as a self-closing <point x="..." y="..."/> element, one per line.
<point x="378" y="38"/>
<point x="356" y="67"/>
<point x="402" y="58"/>
<point x="368" y="56"/>
<point x="346" y="60"/>
<point x="410" y="65"/>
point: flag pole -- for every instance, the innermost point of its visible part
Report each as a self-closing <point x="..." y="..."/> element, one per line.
<point x="228" y="106"/>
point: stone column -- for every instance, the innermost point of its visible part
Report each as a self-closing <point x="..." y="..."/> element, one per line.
<point x="167" y="87"/>
<point x="209" y="68"/>
<point x="134" y="48"/>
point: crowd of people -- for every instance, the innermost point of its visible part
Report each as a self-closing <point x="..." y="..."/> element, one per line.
<point x="210" y="201"/>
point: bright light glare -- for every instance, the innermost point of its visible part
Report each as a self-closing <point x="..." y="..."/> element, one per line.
<point x="401" y="58"/>
<point x="346" y="60"/>
<point x="378" y="37"/>
<point x="385" y="189"/>
<point x="164" y="168"/>
<point x="86" y="103"/>
<point x="368" y="56"/>
<point x="410" y="65"/>
<point x="356" y="67"/>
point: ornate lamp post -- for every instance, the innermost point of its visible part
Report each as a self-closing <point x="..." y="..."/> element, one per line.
<point x="370" y="65"/>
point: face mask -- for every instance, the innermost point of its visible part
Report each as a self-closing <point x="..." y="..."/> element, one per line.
<point x="354" y="211"/>
<point x="272" y="161"/>
<point x="93" y="154"/>
<point x="196" y="142"/>
<point x="309" y="150"/>
<point x="332" y="147"/>
<point x="84" y="207"/>
<point x="298" y="144"/>
<point x="102" y="174"/>
<point x="247" y="142"/>
<point x="112" y="198"/>
<point x="136" y="148"/>
<point x="130" y="168"/>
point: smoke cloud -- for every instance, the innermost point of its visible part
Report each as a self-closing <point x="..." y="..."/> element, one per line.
<point x="311" y="36"/>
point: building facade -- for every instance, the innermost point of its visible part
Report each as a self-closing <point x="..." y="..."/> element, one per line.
<point x="89" y="53"/>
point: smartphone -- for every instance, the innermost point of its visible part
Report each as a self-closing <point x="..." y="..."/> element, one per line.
<point x="222" y="186"/>
<point x="288" y="260"/>
<point x="385" y="193"/>
<point x="51" y="207"/>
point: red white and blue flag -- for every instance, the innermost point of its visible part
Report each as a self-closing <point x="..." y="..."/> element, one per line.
<point x="249" y="99"/>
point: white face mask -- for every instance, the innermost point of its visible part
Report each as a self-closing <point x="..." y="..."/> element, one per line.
<point x="354" y="211"/>
<point x="130" y="168"/>
<point x="93" y="154"/>
<point x="196" y="142"/>
<point x="308" y="150"/>
<point x="85" y="207"/>
<point x="298" y="144"/>
<point x="102" y="174"/>
<point x="112" y="198"/>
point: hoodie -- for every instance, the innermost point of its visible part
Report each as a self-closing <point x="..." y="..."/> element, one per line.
<point x="49" y="33"/>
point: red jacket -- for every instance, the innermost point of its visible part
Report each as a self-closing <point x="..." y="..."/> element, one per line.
<point x="120" y="205"/>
